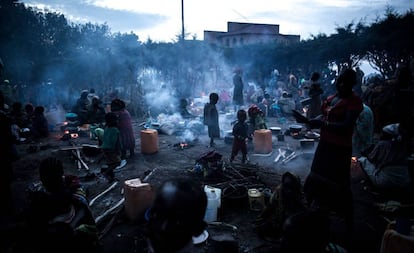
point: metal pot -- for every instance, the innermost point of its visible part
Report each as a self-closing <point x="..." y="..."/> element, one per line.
<point x="295" y="128"/>
<point x="275" y="130"/>
<point x="307" y="143"/>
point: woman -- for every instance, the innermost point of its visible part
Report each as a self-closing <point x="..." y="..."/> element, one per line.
<point x="125" y="127"/>
<point x="328" y="184"/>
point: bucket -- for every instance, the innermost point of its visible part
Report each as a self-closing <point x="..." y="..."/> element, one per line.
<point x="149" y="141"/>
<point x="213" y="203"/>
<point x="256" y="199"/>
<point x="138" y="198"/>
<point x="262" y="141"/>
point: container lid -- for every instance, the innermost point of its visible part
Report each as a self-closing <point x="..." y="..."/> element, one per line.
<point x="254" y="193"/>
<point x="133" y="182"/>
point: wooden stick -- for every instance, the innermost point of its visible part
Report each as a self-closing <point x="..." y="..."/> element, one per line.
<point x="90" y="146"/>
<point x="69" y="148"/>
<point x="80" y="161"/>
<point x="103" y="193"/>
<point x="77" y="160"/>
<point x="100" y="217"/>
<point x="110" y="224"/>
<point x="237" y="172"/>
<point x="149" y="175"/>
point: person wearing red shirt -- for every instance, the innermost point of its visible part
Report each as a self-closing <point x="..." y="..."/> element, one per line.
<point x="328" y="184"/>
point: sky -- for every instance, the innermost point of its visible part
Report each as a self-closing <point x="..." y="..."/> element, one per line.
<point x="160" y="20"/>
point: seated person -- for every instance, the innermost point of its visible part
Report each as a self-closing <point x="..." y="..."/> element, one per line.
<point x="59" y="217"/>
<point x="387" y="164"/>
<point x="286" y="201"/>
<point x="257" y="119"/>
<point x="40" y="125"/>
<point x="286" y="104"/>
<point x="176" y="216"/>
<point x="262" y="104"/>
<point x="183" y="109"/>
<point x="96" y="111"/>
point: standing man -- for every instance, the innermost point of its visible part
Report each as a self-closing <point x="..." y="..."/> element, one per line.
<point x="237" y="89"/>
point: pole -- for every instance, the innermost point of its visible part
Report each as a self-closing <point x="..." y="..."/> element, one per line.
<point x="182" y="20"/>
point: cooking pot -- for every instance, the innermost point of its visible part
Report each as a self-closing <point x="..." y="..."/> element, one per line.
<point x="275" y="130"/>
<point x="295" y="128"/>
<point x="307" y="143"/>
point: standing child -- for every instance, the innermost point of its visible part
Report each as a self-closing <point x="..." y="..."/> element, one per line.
<point x="211" y="118"/>
<point x="111" y="145"/>
<point x="240" y="130"/>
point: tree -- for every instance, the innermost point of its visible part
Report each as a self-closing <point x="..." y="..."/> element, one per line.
<point x="389" y="41"/>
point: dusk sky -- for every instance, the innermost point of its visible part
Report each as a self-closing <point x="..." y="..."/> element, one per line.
<point x="160" y="20"/>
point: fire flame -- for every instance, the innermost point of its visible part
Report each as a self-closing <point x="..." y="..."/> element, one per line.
<point x="74" y="135"/>
<point x="183" y="145"/>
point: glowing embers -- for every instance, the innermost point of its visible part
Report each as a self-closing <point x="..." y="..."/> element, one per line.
<point x="355" y="165"/>
<point x="74" y="135"/>
<point x="182" y="145"/>
<point x="70" y="131"/>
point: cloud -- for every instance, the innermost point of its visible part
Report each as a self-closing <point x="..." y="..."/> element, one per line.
<point x="161" y="19"/>
<point x="117" y="19"/>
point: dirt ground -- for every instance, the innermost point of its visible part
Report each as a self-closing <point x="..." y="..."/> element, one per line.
<point x="235" y="219"/>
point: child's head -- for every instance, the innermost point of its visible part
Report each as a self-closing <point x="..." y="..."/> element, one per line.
<point x="51" y="173"/>
<point x="111" y="119"/>
<point x="39" y="110"/>
<point x="241" y="115"/>
<point x="117" y="105"/>
<point x="214" y="97"/>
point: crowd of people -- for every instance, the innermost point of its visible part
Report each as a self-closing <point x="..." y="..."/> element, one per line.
<point x="347" y="128"/>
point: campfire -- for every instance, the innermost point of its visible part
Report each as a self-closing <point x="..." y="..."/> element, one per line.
<point x="182" y="145"/>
